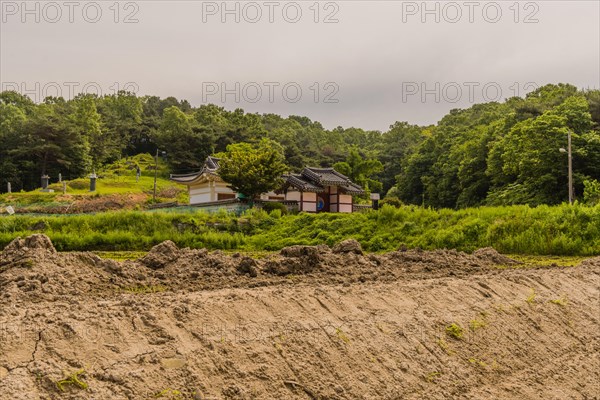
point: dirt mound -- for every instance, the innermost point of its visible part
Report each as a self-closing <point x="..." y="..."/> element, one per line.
<point x="33" y="268"/>
<point x="591" y="262"/>
<point x="296" y="260"/>
<point x="446" y="262"/>
<point x="161" y="255"/>
<point x="30" y="244"/>
<point x="80" y="204"/>
<point x="490" y="255"/>
<point x="25" y="254"/>
<point x="309" y="322"/>
<point x="348" y="246"/>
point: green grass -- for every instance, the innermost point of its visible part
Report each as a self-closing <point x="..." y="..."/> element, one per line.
<point x="560" y="230"/>
<point x="561" y="301"/>
<point x="118" y="178"/>
<point x="476" y="324"/>
<point x="121" y="255"/>
<point x="542" y="231"/>
<point x="74" y="380"/>
<point x="531" y="298"/>
<point x="108" y="185"/>
<point x="529" y="261"/>
<point x="455" y="331"/>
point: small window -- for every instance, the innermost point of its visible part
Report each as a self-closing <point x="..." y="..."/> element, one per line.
<point x="225" y="196"/>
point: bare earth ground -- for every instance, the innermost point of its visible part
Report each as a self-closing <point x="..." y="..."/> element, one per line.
<point x="309" y="323"/>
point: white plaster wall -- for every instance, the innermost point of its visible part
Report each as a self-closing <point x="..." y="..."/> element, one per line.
<point x="222" y="186"/>
<point x="308" y="196"/>
<point x="345" y="198"/>
<point x="200" y="193"/>
<point x="194" y="191"/>
<point x="345" y="208"/>
<point x="292" y="196"/>
<point x="224" y="190"/>
<point x="207" y="192"/>
<point x="309" y="207"/>
<point x="200" y="198"/>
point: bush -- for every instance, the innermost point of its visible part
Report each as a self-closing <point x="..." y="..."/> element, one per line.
<point x="272" y="206"/>
<point x="391" y="201"/>
<point x="591" y="192"/>
<point x="79" y="184"/>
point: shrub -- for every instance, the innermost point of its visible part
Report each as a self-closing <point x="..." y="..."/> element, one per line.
<point x="591" y="192"/>
<point x="79" y="184"/>
<point x="271" y="206"/>
<point x="391" y="201"/>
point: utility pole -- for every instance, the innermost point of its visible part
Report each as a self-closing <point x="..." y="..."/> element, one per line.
<point x="570" y="162"/>
<point x="155" y="175"/>
<point x="570" y="156"/>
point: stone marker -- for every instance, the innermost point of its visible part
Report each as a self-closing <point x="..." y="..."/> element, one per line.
<point x="45" y="179"/>
<point x="93" y="178"/>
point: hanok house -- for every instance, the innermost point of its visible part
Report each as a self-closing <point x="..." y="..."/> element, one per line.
<point x="321" y="190"/>
<point x="312" y="190"/>
<point x="206" y="186"/>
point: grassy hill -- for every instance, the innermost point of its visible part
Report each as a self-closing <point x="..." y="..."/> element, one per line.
<point x="116" y="188"/>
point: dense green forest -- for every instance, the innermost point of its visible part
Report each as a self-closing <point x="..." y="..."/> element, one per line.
<point x="489" y="154"/>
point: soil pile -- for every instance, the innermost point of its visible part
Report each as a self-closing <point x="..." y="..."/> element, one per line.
<point x="306" y="323"/>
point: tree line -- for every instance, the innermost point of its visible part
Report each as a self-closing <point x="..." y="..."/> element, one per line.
<point x="488" y="154"/>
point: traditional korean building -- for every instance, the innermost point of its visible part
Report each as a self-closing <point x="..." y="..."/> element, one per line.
<point x="321" y="190"/>
<point x="312" y="190"/>
<point x="206" y="186"/>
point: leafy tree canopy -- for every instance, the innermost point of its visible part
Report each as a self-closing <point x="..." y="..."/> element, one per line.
<point x="252" y="169"/>
<point x="492" y="153"/>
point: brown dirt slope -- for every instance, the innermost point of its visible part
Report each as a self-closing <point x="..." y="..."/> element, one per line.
<point x="308" y="323"/>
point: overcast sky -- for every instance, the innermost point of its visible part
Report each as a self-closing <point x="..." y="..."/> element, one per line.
<point x="349" y="63"/>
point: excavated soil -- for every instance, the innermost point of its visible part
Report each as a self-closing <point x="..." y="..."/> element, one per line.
<point x="307" y="323"/>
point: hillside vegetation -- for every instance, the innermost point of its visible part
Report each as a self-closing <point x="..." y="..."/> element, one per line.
<point x="543" y="230"/>
<point x="116" y="188"/>
<point x="489" y="154"/>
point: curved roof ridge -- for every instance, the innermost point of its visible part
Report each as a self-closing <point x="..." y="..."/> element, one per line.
<point x="185" y="175"/>
<point x="320" y="168"/>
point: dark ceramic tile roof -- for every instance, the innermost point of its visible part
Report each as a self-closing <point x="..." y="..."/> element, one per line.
<point x="315" y="180"/>
<point x="327" y="176"/>
<point x="211" y="165"/>
<point x="301" y="183"/>
<point x="309" y="180"/>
